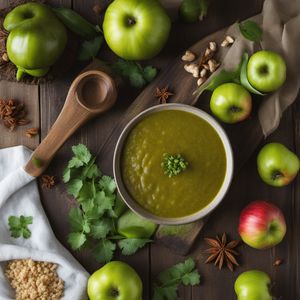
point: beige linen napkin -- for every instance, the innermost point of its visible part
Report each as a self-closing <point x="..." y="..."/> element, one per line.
<point x="280" y="20"/>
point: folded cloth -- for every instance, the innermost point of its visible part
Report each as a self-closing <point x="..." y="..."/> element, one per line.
<point x="280" y="21"/>
<point x="42" y="245"/>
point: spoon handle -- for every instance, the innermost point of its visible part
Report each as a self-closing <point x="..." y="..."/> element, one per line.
<point x="71" y="118"/>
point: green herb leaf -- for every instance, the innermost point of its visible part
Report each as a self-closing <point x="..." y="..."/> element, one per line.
<point x="76" y="219"/>
<point x="169" y="280"/>
<point x="107" y="184"/>
<point x="18" y="226"/>
<point x="130" y="246"/>
<point x="134" y="72"/>
<point x="173" y="164"/>
<point x="244" y="78"/>
<point x="82" y="153"/>
<point x="101" y="228"/>
<point x="37" y="162"/>
<point x="76" y="240"/>
<point x="251" y="30"/>
<point x="74" y="187"/>
<point x="89" y="49"/>
<point x="104" y="251"/>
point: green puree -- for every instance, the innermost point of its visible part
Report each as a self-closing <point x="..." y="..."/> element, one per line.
<point x="173" y="131"/>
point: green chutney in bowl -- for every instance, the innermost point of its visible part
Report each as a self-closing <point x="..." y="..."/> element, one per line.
<point x="173" y="129"/>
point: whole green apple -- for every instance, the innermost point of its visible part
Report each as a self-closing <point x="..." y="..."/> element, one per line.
<point x="266" y="71"/>
<point x="136" y="29"/>
<point x="253" y="285"/>
<point x="116" y="280"/>
<point x="277" y="165"/>
<point x="231" y="103"/>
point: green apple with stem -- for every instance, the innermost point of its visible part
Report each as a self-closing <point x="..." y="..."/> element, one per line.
<point x="277" y="165"/>
<point x="136" y="29"/>
<point x="231" y="103"/>
<point x="266" y="71"/>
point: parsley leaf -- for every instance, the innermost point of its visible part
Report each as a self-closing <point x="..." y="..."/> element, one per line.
<point x="18" y="226"/>
<point x="169" y="280"/>
<point x="93" y="221"/>
<point x="130" y="246"/>
<point x="251" y="30"/>
<point x="89" y="49"/>
<point x="104" y="251"/>
<point x="134" y="72"/>
<point x="76" y="240"/>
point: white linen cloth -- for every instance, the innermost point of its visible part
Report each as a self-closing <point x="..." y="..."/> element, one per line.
<point x="19" y="196"/>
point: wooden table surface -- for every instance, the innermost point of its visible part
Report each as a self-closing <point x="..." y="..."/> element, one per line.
<point x="44" y="103"/>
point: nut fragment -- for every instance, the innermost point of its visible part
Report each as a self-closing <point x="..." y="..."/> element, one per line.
<point x="213" y="46"/>
<point x="188" y="56"/>
<point x="213" y="65"/>
<point x="5" y="57"/>
<point x="31" y="132"/>
<point x="200" y="81"/>
<point x="193" y="69"/>
<point x="203" y="73"/>
<point x="278" y="262"/>
<point x="228" y="41"/>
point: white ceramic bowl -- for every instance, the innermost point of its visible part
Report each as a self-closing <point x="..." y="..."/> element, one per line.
<point x="133" y="205"/>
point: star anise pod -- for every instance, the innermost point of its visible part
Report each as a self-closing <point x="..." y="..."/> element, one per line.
<point x="163" y="94"/>
<point x="48" y="181"/>
<point x="222" y="252"/>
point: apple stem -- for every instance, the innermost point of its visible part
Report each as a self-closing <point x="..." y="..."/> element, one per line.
<point x="131" y="21"/>
<point x="114" y="292"/>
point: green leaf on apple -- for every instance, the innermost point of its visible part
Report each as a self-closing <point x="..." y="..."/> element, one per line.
<point x="251" y="30"/>
<point x="89" y="49"/>
<point x="243" y="76"/>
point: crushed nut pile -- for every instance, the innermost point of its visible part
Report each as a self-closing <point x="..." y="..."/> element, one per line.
<point x="207" y="64"/>
<point x="13" y="114"/>
<point x="34" y="280"/>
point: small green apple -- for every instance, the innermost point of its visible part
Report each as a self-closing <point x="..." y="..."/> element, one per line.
<point x="136" y="29"/>
<point x="253" y="285"/>
<point x="277" y="165"/>
<point x="266" y="71"/>
<point x="116" y="280"/>
<point x="231" y="103"/>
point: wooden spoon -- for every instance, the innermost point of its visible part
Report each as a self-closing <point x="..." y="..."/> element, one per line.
<point x="91" y="93"/>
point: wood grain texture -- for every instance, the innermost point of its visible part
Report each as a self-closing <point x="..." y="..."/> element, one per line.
<point x="246" y="187"/>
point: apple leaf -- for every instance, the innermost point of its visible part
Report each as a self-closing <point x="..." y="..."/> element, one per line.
<point x="251" y="30"/>
<point x="244" y="79"/>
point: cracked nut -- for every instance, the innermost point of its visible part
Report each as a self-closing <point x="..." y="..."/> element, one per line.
<point x="213" y="46"/>
<point x="203" y="73"/>
<point x="5" y="57"/>
<point x="228" y="41"/>
<point x="213" y="65"/>
<point x="188" y="56"/>
<point x="193" y="69"/>
<point x="200" y="81"/>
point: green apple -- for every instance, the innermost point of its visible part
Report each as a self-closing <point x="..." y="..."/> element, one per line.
<point x="277" y="165"/>
<point x="253" y="285"/>
<point x="266" y="71"/>
<point x="136" y="29"/>
<point x="231" y="103"/>
<point x="116" y="280"/>
<point x="131" y="225"/>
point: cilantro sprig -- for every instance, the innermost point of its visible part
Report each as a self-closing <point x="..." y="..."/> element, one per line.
<point x="168" y="281"/>
<point x="134" y="72"/>
<point x="173" y="164"/>
<point x="18" y="226"/>
<point x="93" y="221"/>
